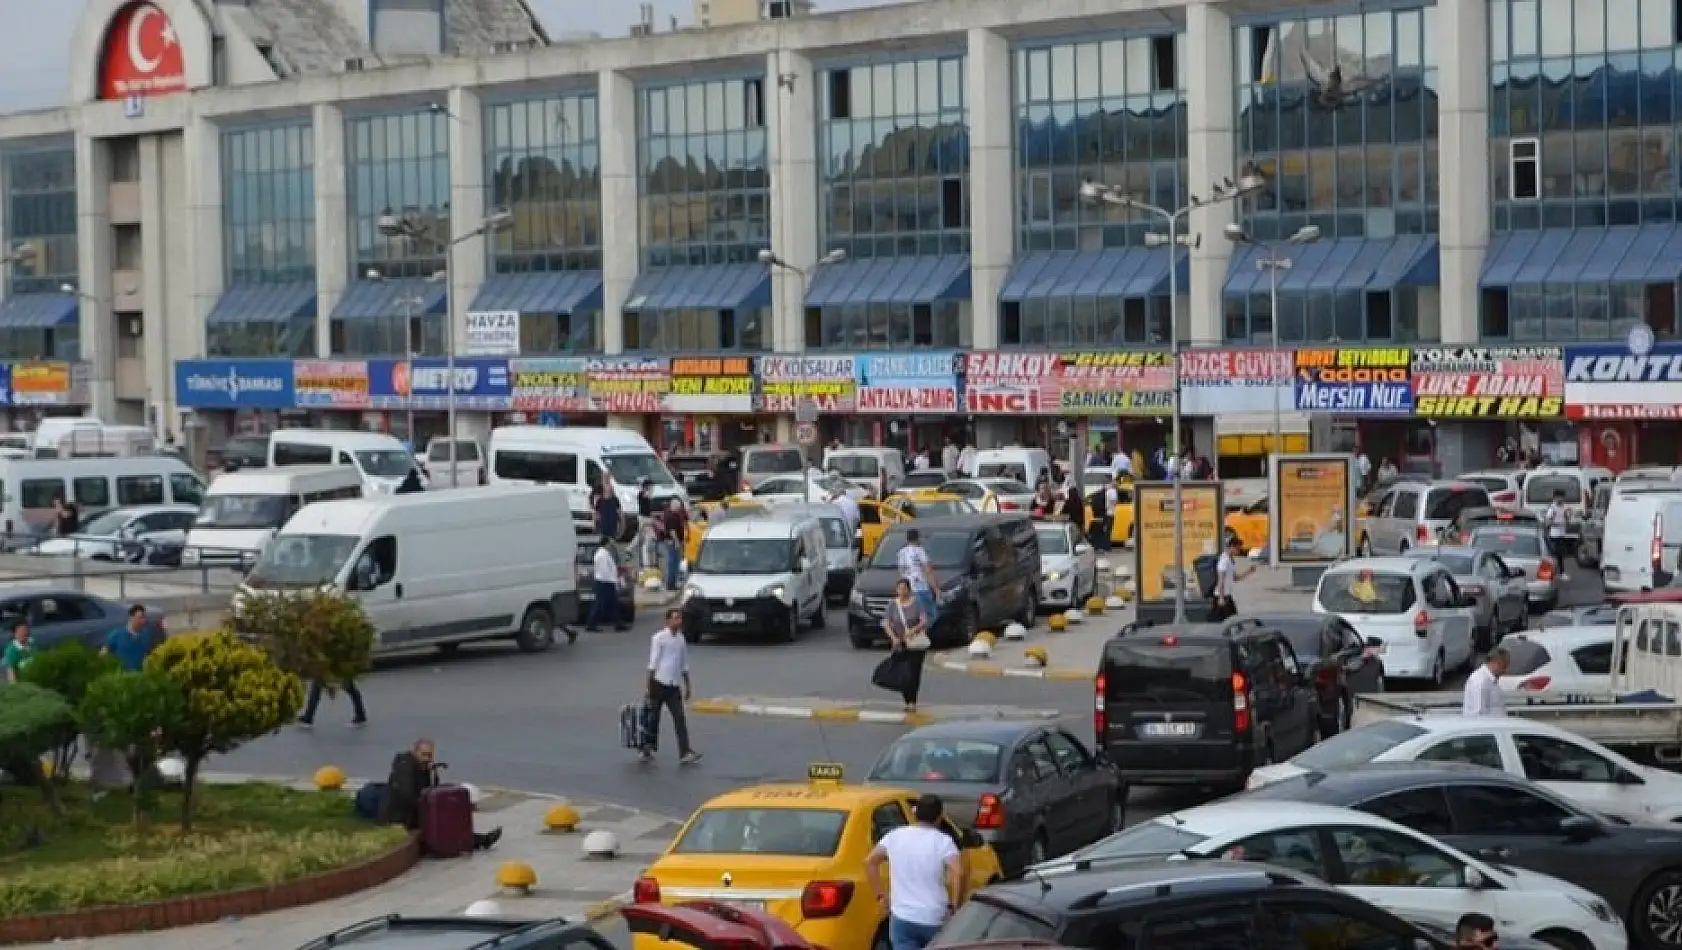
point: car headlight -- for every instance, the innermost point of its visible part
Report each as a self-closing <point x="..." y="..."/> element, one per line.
<point x="775" y="591"/>
<point x="691" y="591"/>
<point x="1054" y="576"/>
<point x="1599" y="908"/>
<point x="857" y="599"/>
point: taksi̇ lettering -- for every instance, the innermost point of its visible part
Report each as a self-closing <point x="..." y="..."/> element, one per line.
<point x="1625" y="369"/>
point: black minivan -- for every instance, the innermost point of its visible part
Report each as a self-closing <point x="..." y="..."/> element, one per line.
<point x="989" y="571"/>
<point x="1200" y="703"/>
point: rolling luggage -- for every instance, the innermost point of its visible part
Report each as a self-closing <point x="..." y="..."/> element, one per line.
<point x="446" y="813"/>
<point x="636" y="726"/>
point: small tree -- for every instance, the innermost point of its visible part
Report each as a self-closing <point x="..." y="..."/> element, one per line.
<point x="231" y="693"/>
<point x="67" y="669"/>
<point x="322" y="636"/>
<point x="132" y="712"/>
<point x="33" y="721"/>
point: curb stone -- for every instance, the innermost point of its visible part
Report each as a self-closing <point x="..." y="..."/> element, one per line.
<point x="1060" y="673"/>
<point x="795" y="709"/>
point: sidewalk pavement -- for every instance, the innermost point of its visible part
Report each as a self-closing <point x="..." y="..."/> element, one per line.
<point x="1072" y="655"/>
<point x="873" y="713"/>
<point x="568" y="884"/>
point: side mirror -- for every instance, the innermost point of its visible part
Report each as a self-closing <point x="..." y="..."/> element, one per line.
<point x="1474" y="878"/>
<point x="970" y="838"/>
<point x="1579" y="828"/>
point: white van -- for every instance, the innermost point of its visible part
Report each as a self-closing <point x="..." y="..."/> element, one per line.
<point x="1578" y="484"/>
<point x="763" y="575"/>
<point x="44" y="441"/>
<point x="1015" y="462"/>
<point x="382" y="461"/>
<point x="436" y="568"/>
<point x="1639" y="523"/>
<point x="28" y="487"/>
<point x="876" y="469"/>
<point x="576" y="459"/>
<point x="243" y="510"/>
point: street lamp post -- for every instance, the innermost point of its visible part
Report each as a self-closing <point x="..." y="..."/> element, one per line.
<point x="392" y="224"/>
<point x="409" y="303"/>
<point x="1221" y="191"/>
<point x="1273" y="261"/>
<point x="769" y="257"/>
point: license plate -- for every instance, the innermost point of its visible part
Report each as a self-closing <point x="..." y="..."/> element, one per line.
<point x="730" y="617"/>
<point x="1611" y="573"/>
<point x="746" y="905"/>
<point x="1169" y="730"/>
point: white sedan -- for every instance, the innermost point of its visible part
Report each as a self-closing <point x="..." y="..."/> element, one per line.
<point x="1585" y="772"/>
<point x="124" y="533"/>
<point x="1068" y="565"/>
<point x="1560" y="659"/>
<point x="815" y="488"/>
<point x="1375" y="859"/>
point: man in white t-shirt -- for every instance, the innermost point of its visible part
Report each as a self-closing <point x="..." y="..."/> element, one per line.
<point x="926" y="876"/>
<point x="1483" y="688"/>
<point x="1226" y="579"/>
<point x="1553" y="521"/>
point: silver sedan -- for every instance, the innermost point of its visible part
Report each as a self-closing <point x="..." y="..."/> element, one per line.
<point x="1521" y="546"/>
<point x="1496" y="588"/>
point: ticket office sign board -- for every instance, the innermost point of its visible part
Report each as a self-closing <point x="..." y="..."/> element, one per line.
<point x="1312" y="498"/>
<point x="1157" y="569"/>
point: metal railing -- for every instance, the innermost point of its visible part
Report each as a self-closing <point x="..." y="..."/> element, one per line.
<point x="122" y="570"/>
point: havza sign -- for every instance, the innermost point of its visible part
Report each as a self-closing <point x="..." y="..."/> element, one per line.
<point x="493" y="332"/>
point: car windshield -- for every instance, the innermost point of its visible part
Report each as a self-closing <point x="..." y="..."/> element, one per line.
<point x="774" y="461"/>
<point x="302" y="560"/>
<point x="835" y="534"/>
<point x="1157" y="836"/>
<point x="745" y="556"/>
<point x="1540" y="491"/>
<point x="1008" y="486"/>
<point x="800" y="832"/>
<point x="1054" y="539"/>
<point x="244" y="511"/>
<point x="944" y="550"/>
<point x="1524" y="656"/>
<point x="853" y="466"/>
<point x="634" y="468"/>
<point x="937" y="507"/>
<point x="1366" y="592"/>
<point x="1357" y="746"/>
<point x="106" y="524"/>
<point x="1517" y="543"/>
<point x="440" y="451"/>
<point x="1458" y="563"/>
<point x="923" y="479"/>
<point x="385" y="463"/>
<point x="1016" y="471"/>
<point x="1493" y="483"/>
<point x="1304" y="635"/>
<point x="733" y="513"/>
<point x="1156" y="671"/>
<point x="982" y="921"/>
<point x="939" y="760"/>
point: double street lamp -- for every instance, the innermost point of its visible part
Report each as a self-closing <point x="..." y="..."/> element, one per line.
<point x="413" y="228"/>
<point x="802" y="408"/>
<point x="1175" y="221"/>
<point x="410" y="303"/>
<point x="1274" y="261"/>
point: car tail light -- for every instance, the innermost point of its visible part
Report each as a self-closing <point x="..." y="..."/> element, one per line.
<point x="1545" y="570"/>
<point x="1008" y="506"/>
<point x="990" y="813"/>
<point x="1240" y="703"/>
<point x="1422" y="534"/>
<point x="1099" y="723"/>
<point x="645" y="891"/>
<point x="825" y="899"/>
<point x="1536" y="683"/>
<point x="1504" y="497"/>
<point x="1422" y="624"/>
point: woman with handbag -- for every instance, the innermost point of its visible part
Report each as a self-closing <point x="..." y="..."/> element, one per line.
<point x="908" y="632"/>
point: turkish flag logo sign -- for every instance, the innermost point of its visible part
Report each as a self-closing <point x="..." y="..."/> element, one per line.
<point x="142" y="55"/>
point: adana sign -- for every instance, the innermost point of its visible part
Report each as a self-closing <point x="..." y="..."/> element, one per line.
<point x="493" y="333"/>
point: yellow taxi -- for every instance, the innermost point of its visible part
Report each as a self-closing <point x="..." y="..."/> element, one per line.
<point x="1121" y="528"/>
<point x="1250" y="524"/>
<point x="715" y="514"/>
<point x="929" y="503"/>
<point x="797" y="851"/>
<point x="875" y="518"/>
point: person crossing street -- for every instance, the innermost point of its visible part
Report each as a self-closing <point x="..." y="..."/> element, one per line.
<point x="669" y="686"/>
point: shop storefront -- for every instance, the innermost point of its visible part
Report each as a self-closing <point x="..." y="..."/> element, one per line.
<point x="1626" y="401"/>
<point x="551" y="391"/>
<point x="1049" y="399"/>
<point x="1245" y="394"/>
<point x="830" y="382"/>
<point x="35" y="390"/>
<point x="710" y="406"/>
<point x="631" y="386"/>
<point x="411" y="399"/>
<point x="1363" y="401"/>
<point x="1481" y="398"/>
<point x="236" y="397"/>
<point x="907" y="401"/>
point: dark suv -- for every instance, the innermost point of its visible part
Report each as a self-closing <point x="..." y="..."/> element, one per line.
<point x="465" y="933"/>
<point x="988" y="566"/>
<point x="1179" y="905"/>
<point x="1200" y="703"/>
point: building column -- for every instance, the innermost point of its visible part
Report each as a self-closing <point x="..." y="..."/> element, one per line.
<point x="468" y="207"/>
<point x="992" y="168"/>
<point x="1462" y="160"/>
<point x="93" y="270"/>
<point x="791" y="90"/>
<point x="158" y="289"/>
<point x="201" y="148"/>
<point x="616" y="125"/>
<point x="1207" y="63"/>
<point x="332" y="221"/>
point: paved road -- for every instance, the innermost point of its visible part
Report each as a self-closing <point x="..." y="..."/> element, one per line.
<point x="550" y="722"/>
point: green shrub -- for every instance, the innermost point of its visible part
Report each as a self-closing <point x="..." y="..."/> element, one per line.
<point x="131" y="712"/>
<point x="67" y="669"/>
<point x="33" y="721"/>
<point x="322" y="636"/>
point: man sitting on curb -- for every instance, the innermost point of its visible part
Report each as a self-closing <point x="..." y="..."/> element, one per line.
<point x="412" y="773"/>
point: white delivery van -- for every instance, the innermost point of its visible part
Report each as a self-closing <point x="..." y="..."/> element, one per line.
<point x="469" y="463"/>
<point x="107" y="442"/>
<point x="1022" y="464"/>
<point x="44" y="441"/>
<point x="576" y="459"/>
<point x="1635" y="534"/>
<point x="436" y="568"/>
<point x="382" y="460"/>
<point x="28" y="487"/>
<point x="762" y="575"/>
<point x="876" y="469"/>
<point x="242" y="510"/>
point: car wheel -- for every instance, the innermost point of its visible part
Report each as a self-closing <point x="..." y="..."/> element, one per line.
<point x="1039" y="850"/>
<point x="1377" y="687"/>
<point x="537" y="631"/>
<point x="1118" y="812"/>
<point x="1658" y="911"/>
<point x="790" y="630"/>
<point x="1364" y="548"/>
<point x="1437" y="671"/>
<point x="1030" y="609"/>
<point x="820" y="619"/>
<point x="1346" y="708"/>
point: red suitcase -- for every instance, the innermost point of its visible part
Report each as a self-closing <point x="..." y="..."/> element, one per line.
<point x="446" y="813"/>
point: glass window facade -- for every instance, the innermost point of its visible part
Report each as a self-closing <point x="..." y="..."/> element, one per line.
<point x="1112" y="111"/>
<point x="397" y="163"/>
<point x="1340" y="114"/>
<point x="1583" y="110"/>
<point x="268" y="204"/>
<point x="543" y="163"/>
<point x="41" y="213"/>
<point x="698" y="331"/>
<point x="895" y="143"/>
<point x="705" y="189"/>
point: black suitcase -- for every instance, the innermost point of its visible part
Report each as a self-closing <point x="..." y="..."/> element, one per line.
<point x="637" y="726"/>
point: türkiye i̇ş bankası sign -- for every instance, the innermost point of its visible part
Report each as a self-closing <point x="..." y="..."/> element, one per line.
<point x="1481" y="382"/>
<point x="1354" y="381"/>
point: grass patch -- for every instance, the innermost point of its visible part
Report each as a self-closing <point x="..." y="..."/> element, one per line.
<point x="248" y="835"/>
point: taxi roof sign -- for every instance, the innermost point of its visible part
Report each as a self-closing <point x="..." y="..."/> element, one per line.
<point x="825" y="772"/>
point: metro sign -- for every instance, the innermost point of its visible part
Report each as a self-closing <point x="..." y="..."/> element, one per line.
<point x="1002" y="402"/>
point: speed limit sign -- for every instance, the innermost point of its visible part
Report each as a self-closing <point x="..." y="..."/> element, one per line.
<point x="806" y="433"/>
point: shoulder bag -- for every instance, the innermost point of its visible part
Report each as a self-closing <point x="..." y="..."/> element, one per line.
<point x="918" y="642"/>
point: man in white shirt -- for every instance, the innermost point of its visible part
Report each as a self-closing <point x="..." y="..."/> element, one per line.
<point x="1121" y="464"/>
<point x="949" y="458"/>
<point x="915" y="568"/>
<point x="849" y="509"/>
<point x="604" y="569"/>
<point x="1226" y="580"/>
<point x="1553" y="520"/>
<point x="927" y="874"/>
<point x="668" y="685"/>
<point x="1483" y="688"/>
<point x="966" y="461"/>
<point x="921" y="461"/>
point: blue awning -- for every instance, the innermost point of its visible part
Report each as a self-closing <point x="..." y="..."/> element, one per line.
<point x="719" y="287"/>
<point x="557" y="291"/>
<point x="38" y="311"/>
<point x="891" y="280"/>
<point x="1344" y="264"/>
<point x="1634" y="254"/>
<point x="1116" y="272"/>
<point x="373" y="299"/>
<point x="265" y="303"/>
